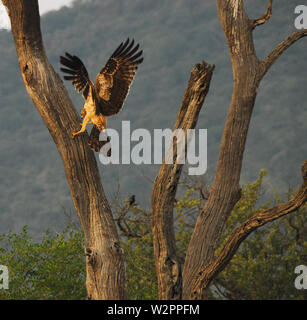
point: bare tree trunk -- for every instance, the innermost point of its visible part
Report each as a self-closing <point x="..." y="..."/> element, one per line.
<point x="226" y="191"/>
<point x="248" y="71"/>
<point x="165" y="186"/>
<point x="104" y="263"/>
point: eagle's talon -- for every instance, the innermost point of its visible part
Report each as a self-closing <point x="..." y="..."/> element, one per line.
<point x="74" y="134"/>
<point x="83" y="113"/>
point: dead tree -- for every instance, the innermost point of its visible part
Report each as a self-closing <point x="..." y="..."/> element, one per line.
<point x="105" y="264"/>
<point x="201" y="265"/>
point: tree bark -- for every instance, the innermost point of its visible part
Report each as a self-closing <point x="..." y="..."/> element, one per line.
<point x="104" y="263"/>
<point x="226" y="191"/>
<point x="217" y="265"/>
<point x="165" y="186"/>
<point x="265" y="17"/>
<point x="248" y="71"/>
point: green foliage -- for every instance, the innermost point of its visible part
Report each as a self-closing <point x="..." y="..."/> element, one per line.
<point x="262" y="268"/>
<point x="139" y="255"/>
<point x="51" y="269"/>
<point x="245" y="207"/>
<point x="186" y="210"/>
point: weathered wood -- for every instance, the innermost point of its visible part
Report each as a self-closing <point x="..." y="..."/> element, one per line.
<point x="226" y="191"/>
<point x="265" y="17"/>
<point x="248" y="71"/>
<point x="164" y="189"/>
<point x="105" y="265"/>
<point x="217" y="265"/>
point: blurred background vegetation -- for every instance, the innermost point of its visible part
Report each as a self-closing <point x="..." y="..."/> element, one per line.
<point x="174" y="35"/>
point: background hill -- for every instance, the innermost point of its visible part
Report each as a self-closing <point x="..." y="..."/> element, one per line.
<point x="174" y="36"/>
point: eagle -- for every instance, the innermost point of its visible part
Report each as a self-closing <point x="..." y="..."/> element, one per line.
<point x="107" y="96"/>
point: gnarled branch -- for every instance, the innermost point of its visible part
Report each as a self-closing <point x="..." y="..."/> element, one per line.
<point x="205" y="275"/>
<point x="264" y="18"/>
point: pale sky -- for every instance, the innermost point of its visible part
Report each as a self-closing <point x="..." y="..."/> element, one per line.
<point x="44" y="6"/>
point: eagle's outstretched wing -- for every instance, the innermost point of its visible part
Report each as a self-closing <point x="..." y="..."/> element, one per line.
<point x="77" y="73"/>
<point x="114" y="80"/>
<point x="111" y="88"/>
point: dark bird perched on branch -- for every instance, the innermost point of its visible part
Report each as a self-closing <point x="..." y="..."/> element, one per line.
<point x="107" y="96"/>
<point x="131" y="200"/>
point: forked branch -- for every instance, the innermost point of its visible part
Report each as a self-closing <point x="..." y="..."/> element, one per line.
<point x="206" y="274"/>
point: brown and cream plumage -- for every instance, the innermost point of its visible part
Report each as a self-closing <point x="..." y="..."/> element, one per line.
<point x="107" y="96"/>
